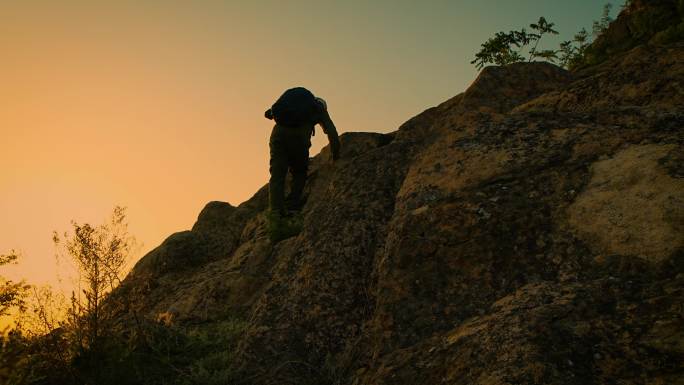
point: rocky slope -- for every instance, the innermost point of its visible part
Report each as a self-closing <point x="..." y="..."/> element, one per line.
<point x="527" y="231"/>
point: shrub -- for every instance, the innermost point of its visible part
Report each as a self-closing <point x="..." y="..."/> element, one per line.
<point x="506" y="48"/>
<point x="500" y="49"/>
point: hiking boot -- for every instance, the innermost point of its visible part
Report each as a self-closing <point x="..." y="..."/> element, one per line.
<point x="282" y="226"/>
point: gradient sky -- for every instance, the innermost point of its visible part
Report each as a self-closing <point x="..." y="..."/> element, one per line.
<point x="158" y="105"/>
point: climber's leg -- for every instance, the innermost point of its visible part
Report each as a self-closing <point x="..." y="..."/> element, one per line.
<point x="299" y="165"/>
<point x="278" y="169"/>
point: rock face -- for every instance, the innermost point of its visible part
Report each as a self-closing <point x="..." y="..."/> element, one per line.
<point x="527" y="231"/>
<point x="640" y="22"/>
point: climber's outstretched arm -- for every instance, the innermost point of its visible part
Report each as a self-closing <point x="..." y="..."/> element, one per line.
<point x="331" y="131"/>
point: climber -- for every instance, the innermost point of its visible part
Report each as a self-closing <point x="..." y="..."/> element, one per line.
<point x="296" y="113"/>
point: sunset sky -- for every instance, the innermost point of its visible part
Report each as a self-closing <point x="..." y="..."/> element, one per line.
<point x="158" y="105"/>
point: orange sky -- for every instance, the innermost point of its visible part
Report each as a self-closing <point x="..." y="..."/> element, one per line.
<point x="157" y="105"/>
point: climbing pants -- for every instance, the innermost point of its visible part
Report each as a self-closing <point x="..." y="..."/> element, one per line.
<point x="289" y="147"/>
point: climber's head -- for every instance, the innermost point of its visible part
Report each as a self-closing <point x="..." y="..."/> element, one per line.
<point x="322" y="102"/>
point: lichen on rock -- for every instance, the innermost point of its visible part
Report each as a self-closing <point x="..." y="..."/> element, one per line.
<point x="631" y="205"/>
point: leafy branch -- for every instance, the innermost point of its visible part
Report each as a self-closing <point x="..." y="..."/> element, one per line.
<point x="500" y="49"/>
<point x="506" y="48"/>
<point x="572" y="51"/>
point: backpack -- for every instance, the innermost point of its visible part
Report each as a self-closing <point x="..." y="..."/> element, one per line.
<point x="295" y="107"/>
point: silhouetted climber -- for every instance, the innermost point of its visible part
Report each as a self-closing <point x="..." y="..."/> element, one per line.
<point x="296" y="113"/>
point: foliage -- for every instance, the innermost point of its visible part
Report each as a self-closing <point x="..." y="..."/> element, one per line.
<point x="54" y="338"/>
<point x="99" y="255"/>
<point x="645" y="23"/>
<point x="575" y="53"/>
<point x="572" y="51"/>
<point x="26" y="350"/>
<point x="150" y="354"/>
<point x="12" y="294"/>
<point x="542" y="27"/>
<point x="15" y="360"/>
<point x="498" y="50"/>
<point x="154" y="354"/>
<point x="601" y="25"/>
<point x="212" y="350"/>
<point x="45" y="311"/>
<point x="86" y="340"/>
<point x="505" y="48"/>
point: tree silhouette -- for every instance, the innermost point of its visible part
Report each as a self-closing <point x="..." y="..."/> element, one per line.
<point x="99" y="255"/>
